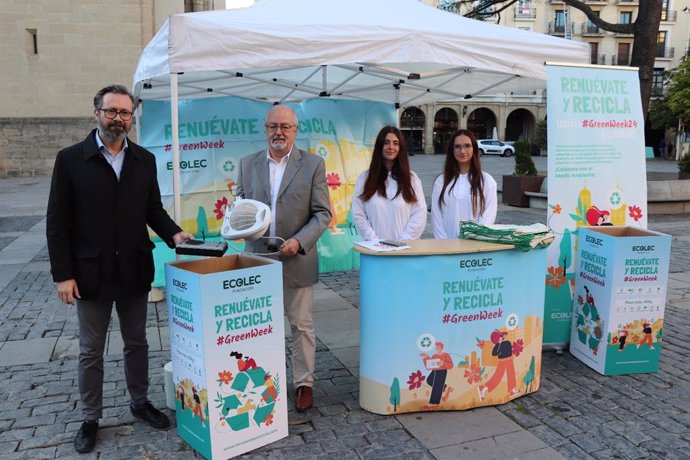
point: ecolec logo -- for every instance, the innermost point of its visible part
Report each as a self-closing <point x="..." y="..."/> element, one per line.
<point x="181" y="285"/>
<point x="476" y="264"/>
<point x="242" y="282"/>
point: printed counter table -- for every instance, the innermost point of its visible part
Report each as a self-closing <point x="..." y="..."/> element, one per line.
<point x="228" y="352"/>
<point x="449" y="325"/>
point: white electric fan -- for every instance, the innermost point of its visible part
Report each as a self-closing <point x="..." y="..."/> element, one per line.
<point x="245" y="218"/>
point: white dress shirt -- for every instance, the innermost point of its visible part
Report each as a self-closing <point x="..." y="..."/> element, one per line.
<point x="387" y="218"/>
<point x="457" y="206"/>
<point x="276" y="169"/>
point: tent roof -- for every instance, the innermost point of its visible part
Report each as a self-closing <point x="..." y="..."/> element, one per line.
<point x="398" y="51"/>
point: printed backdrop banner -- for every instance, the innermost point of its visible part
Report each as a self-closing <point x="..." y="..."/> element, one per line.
<point x="215" y="133"/>
<point x="597" y="173"/>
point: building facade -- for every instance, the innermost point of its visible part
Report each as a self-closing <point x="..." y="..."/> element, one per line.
<point x="56" y="54"/>
<point x="515" y="116"/>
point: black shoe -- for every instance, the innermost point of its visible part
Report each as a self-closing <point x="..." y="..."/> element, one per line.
<point x="85" y="440"/>
<point x="151" y="415"/>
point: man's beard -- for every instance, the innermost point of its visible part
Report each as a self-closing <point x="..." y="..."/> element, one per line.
<point x="114" y="132"/>
<point x="279" y="144"/>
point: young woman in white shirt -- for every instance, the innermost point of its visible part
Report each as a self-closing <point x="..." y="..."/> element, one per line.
<point x="463" y="191"/>
<point x="388" y="202"/>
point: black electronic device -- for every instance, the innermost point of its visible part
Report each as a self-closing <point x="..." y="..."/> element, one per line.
<point x="393" y="243"/>
<point x="202" y="248"/>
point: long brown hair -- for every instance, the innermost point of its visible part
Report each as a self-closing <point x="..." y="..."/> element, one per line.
<point x="451" y="171"/>
<point x="376" y="179"/>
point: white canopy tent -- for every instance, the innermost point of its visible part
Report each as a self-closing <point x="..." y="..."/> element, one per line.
<point x="398" y="51"/>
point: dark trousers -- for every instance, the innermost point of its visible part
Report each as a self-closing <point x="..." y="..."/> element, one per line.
<point x="437" y="380"/>
<point x="94" y="318"/>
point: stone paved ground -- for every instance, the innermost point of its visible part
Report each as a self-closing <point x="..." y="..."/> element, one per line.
<point x="585" y="415"/>
<point x="576" y="411"/>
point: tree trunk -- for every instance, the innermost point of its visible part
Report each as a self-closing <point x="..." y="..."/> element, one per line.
<point x="644" y="47"/>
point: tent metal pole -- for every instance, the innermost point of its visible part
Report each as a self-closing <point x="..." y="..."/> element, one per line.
<point x="174" y="119"/>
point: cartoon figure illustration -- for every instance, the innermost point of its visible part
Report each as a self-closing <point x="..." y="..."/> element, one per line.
<point x="243" y="364"/>
<point x="270" y="394"/>
<point x="588" y="297"/>
<point x="438" y="364"/>
<point x="197" y="410"/>
<point x="598" y="217"/>
<point x="503" y="349"/>
<point x="622" y="337"/>
<point x="647" y="331"/>
<point x="181" y="395"/>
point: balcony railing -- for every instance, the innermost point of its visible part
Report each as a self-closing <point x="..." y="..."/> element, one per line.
<point x="669" y="16"/>
<point x="618" y="59"/>
<point x="590" y="29"/>
<point x="558" y="28"/>
<point x="599" y="59"/>
<point x="665" y="53"/>
<point x="524" y="12"/>
<point x="627" y="2"/>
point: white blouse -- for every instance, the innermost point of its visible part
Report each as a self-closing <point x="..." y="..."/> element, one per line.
<point x="457" y="205"/>
<point x="382" y="218"/>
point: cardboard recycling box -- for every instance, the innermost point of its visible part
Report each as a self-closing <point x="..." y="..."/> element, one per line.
<point x="228" y="353"/>
<point x="620" y="295"/>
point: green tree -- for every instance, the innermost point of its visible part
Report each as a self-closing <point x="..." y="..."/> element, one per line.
<point x="529" y="376"/>
<point x="524" y="165"/>
<point x="645" y="30"/>
<point x="678" y="96"/>
<point x="660" y="114"/>
<point x="395" y="394"/>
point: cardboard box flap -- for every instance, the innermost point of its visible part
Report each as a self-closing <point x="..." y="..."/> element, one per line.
<point x="623" y="231"/>
<point x="209" y="265"/>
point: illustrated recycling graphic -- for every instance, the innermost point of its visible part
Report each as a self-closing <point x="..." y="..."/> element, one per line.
<point x="247" y="398"/>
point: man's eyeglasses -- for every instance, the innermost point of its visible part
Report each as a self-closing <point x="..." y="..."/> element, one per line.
<point x="272" y="128"/>
<point x="110" y="114"/>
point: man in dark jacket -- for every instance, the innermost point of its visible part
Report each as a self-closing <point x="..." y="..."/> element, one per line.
<point x="103" y="194"/>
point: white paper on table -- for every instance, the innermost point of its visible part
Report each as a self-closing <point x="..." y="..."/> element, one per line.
<point x="376" y="245"/>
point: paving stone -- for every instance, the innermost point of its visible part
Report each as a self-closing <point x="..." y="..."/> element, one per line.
<point x="347" y="431"/>
<point x="388" y="437"/>
<point x="587" y="442"/>
<point x="344" y="443"/>
<point x="571" y="451"/>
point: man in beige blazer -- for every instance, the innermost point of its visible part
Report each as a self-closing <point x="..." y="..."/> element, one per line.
<point x="293" y="183"/>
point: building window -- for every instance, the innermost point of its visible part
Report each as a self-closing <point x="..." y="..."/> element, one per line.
<point x="664" y="10"/>
<point x="594" y="50"/>
<point x="623" y="54"/>
<point x="625" y="17"/>
<point x="559" y="22"/>
<point x="31" y="41"/>
<point x="661" y="44"/>
<point x="658" y="82"/>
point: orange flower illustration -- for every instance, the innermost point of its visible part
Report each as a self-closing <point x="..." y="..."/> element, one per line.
<point x="268" y="420"/>
<point x="555" y="277"/>
<point x="472" y="375"/>
<point x="556" y="208"/>
<point x="224" y="377"/>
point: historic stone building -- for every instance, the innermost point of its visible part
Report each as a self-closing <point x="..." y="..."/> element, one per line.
<point x="514" y="116"/>
<point x="55" y="55"/>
